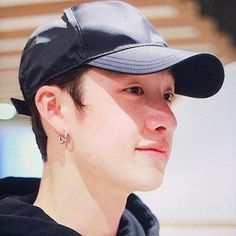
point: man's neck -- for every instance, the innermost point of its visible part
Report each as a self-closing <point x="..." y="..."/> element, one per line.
<point x="88" y="209"/>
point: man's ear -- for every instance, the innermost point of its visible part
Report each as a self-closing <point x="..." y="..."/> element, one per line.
<point x="48" y="102"/>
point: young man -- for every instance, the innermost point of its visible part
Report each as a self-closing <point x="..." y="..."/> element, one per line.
<point x="99" y="83"/>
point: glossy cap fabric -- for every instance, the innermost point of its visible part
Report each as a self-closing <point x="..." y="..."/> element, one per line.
<point x="112" y="35"/>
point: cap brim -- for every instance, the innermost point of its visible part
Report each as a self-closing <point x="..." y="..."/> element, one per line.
<point x="197" y="75"/>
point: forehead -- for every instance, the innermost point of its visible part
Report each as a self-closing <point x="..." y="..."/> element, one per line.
<point x="161" y="77"/>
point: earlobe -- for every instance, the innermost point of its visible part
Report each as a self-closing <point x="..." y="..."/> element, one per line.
<point x="47" y="101"/>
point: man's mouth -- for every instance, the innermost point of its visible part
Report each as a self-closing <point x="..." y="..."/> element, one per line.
<point x="154" y="150"/>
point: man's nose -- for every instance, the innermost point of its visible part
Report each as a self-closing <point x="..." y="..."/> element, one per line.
<point x="160" y="119"/>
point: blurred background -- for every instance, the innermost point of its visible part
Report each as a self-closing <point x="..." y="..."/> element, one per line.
<point x="198" y="196"/>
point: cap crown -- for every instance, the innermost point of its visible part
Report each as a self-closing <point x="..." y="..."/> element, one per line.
<point x="83" y="33"/>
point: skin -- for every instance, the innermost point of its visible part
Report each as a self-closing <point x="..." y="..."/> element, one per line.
<point x="118" y="144"/>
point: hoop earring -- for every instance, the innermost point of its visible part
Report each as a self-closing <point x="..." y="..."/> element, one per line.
<point x="63" y="139"/>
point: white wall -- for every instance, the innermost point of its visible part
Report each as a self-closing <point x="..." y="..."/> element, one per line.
<point x="19" y="155"/>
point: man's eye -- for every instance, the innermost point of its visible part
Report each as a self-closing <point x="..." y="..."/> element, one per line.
<point x="169" y="97"/>
<point x="135" y="90"/>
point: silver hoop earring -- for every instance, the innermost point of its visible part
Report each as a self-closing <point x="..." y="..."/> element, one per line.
<point x="63" y="139"/>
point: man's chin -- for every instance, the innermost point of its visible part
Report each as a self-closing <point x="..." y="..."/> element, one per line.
<point x="151" y="185"/>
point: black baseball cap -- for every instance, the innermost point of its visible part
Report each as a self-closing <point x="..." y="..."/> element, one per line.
<point x="115" y="36"/>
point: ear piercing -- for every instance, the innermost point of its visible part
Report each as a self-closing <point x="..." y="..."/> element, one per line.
<point x="63" y="138"/>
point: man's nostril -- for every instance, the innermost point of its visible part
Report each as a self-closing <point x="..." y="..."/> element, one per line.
<point x="160" y="128"/>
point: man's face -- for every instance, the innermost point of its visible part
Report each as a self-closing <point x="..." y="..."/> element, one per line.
<point x="123" y="139"/>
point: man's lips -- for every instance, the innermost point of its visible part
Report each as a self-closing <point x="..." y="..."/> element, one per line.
<point x="151" y="149"/>
<point x="154" y="149"/>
